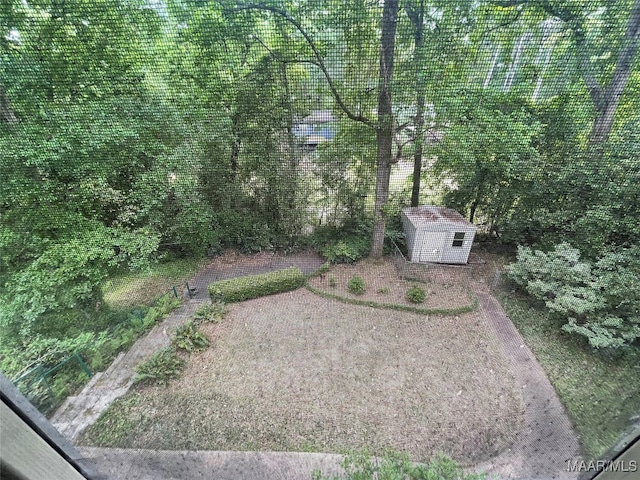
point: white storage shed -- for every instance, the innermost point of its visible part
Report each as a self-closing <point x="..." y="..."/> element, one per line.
<point x="437" y="234"/>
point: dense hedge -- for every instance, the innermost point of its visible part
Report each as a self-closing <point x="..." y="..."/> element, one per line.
<point x="253" y="286"/>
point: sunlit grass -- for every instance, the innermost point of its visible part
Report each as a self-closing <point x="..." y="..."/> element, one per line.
<point x="142" y="288"/>
<point x="600" y="392"/>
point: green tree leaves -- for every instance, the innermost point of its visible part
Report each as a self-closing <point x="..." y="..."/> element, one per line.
<point x="599" y="301"/>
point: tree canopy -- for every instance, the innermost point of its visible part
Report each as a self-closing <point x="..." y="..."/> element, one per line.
<point x="132" y="131"/>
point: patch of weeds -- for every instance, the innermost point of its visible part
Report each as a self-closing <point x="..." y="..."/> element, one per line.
<point x="416" y="294"/>
<point x="210" y="313"/>
<point x="189" y="338"/>
<point x="115" y="427"/>
<point x="383" y="290"/>
<point x="357" y="285"/>
<point x="394" y="465"/>
<point x="161" y="367"/>
<point x="332" y="282"/>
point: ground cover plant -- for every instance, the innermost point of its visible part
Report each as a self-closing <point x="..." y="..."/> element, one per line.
<point x="357" y="285"/>
<point x="161" y="367"/>
<point x="416" y="294"/>
<point x="187" y="337"/>
<point x="97" y="343"/>
<point x="299" y="372"/>
<point x="210" y="312"/>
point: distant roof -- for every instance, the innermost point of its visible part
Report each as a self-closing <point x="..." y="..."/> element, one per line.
<point x="429" y="214"/>
<point x="319" y="116"/>
<point x="315" y="139"/>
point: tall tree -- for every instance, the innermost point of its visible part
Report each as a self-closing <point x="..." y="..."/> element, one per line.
<point x="384" y="125"/>
<point x="384" y="133"/>
<point x="605" y="83"/>
<point x="415" y="12"/>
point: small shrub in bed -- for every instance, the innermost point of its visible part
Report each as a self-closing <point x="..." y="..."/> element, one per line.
<point x="357" y="285"/>
<point x="416" y="294"/>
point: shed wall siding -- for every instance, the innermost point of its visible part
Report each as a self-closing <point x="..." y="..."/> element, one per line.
<point x="433" y="241"/>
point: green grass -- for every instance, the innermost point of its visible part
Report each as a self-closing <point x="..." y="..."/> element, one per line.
<point x="600" y="392"/>
<point x="142" y="288"/>
<point x="393" y="306"/>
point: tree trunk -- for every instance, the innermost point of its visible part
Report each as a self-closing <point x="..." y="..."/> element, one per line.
<point x="417" y="154"/>
<point x="417" y="19"/>
<point x="384" y="133"/>
<point x="6" y="112"/>
<point x="599" y="135"/>
<point x="606" y="98"/>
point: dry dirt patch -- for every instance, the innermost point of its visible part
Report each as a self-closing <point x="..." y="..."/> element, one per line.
<point x="383" y="285"/>
<point x="299" y="372"/>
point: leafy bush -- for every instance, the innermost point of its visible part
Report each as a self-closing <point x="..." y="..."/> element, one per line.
<point x="189" y="338"/>
<point x="253" y="286"/>
<point x="396" y="466"/>
<point x="416" y="294"/>
<point x="348" y="250"/>
<point x="162" y="366"/>
<point x="210" y="313"/>
<point x="357" y="285"/>
<point x="332" y="281"/>
<point x="600" y="300"/>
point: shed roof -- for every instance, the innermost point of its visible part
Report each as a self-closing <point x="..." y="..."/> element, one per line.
<point x="430" y="214"/>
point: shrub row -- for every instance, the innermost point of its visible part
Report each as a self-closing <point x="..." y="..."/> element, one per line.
<point x="254" y="286"/>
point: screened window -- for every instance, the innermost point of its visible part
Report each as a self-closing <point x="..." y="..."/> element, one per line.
<point x="458" y="239"/>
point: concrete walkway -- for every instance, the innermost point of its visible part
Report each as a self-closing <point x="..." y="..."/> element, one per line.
<point x="80" y="411"/>
<point x="548" y="441"/>
<point x="126" y="464"/>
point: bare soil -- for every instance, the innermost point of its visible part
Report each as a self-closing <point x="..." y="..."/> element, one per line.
<point x="298" y="372"/>
<point x="301" y="373"/>
<point x="383" y="285"/>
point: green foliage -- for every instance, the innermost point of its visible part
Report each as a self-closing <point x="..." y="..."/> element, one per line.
<point x="346" y="251"/>
<point x="416" y="294"/>
<point x="253" y="286"/>
<point x="357" y="285"/>
<point x="188" y="337"/>
<point x="210" y="313"/>
<point x="383" y="290"/>
<point x="599" y="301"/>
<point x="488" y="151"/>
<point x="161" y="367"/>
<point x="332" y="281"/>
<point x="397" y="466"/>
<point x="346" y="244"/>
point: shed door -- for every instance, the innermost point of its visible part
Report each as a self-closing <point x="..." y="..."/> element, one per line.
<point x="432" y="244"/>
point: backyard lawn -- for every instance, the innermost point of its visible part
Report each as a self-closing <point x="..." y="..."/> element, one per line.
<point x="299" y="372"/>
